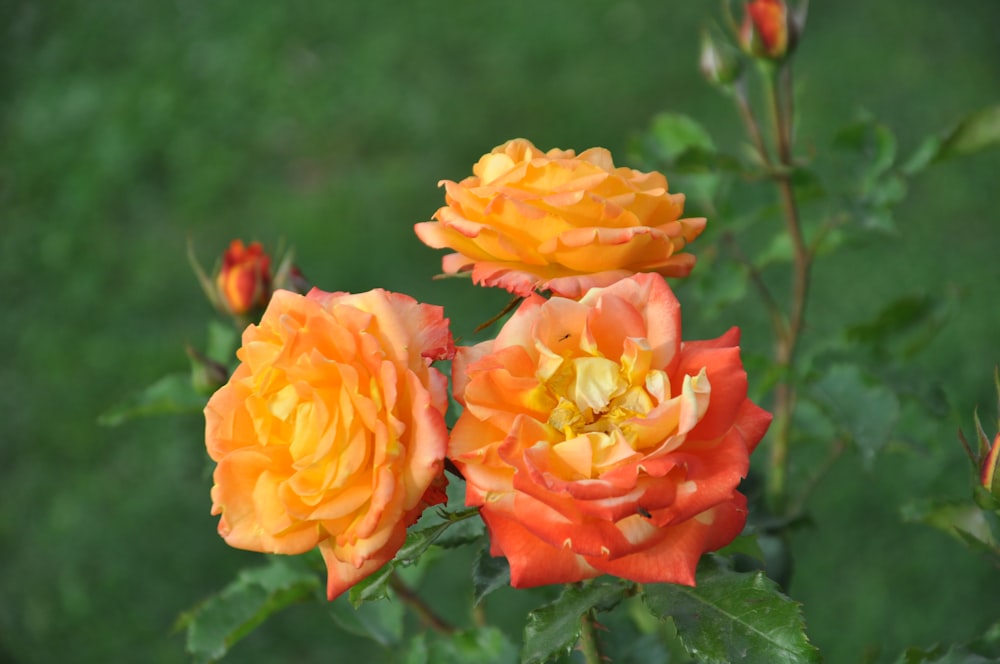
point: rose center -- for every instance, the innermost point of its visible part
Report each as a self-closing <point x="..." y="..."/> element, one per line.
<point x="596" y="396"/>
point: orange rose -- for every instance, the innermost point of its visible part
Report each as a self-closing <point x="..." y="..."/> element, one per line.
<point x="555" y="220"/>
<point x="331" y="431"/>
<point x="595" y="441"/>
<point x="244" y="281"/>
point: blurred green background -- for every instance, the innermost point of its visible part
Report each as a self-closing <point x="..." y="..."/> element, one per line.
<point x="128" y="127"/>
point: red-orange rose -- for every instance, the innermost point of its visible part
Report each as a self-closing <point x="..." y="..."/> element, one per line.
<point x="595" y="441"/>
<point x="531" y="220"/>
<point x="244" y="281"/>
<point x="331" y="431"/>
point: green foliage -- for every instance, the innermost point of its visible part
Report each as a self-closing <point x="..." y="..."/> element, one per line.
<point x="174" y="393"/>
<point x="489" y="573"/>
<point x="487" y="645"/>
<point x="553" y="629"/>
<point x="974" y="526"/>
<point x="382" y="622"/>
<point x="977" y="131"/>
<point x="216" y="624"/>
<point x="860" y="408"/>
<point x="733" y="617"/>
<point x="375" y="587"/>
<point x="984" y="650"/>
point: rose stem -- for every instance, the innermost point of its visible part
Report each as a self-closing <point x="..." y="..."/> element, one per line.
<point x="588" y="640"/>
<point x="753" y="129"/>
<point x="780" y="87"/>
<point x="419" y="606"/>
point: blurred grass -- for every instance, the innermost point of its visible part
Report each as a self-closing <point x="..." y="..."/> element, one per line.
<point x="127" y="127"/>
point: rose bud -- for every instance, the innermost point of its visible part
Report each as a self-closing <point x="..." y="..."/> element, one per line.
<point x="989" y="476"/>
<point x="244" y="281"/>
<point x="769" y="30"/>
<point x="719" y="63"/>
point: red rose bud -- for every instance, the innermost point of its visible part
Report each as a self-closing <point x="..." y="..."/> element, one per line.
<point x="719" y="62"/>
<point x="244" y="282"/>
<point x="769" y="30"/>
<point x="989" y="476"/>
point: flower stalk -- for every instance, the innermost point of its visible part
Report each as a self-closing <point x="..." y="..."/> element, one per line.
<point x="588" y="640"/>
<point x="779" y="93"/>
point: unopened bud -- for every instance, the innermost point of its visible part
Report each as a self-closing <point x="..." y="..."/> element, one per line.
<point x="769" y="29"/>
<point x="244" y="281"/>
<point x="719" y="63"/>
<point x="989" y="473"/>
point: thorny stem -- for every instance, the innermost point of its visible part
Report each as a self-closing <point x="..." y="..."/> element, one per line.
<point x="753" y="129"/>
<point x="419" y="606"/>
<point x="780" y="93"/>
<point x="588" y="640"/>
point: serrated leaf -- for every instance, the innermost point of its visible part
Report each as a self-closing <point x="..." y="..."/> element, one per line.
<point x="488" y="574"/>
<point x="171" y="394"/>
<point x="372" y="588"/>
<point x="859" y="407"/>
<point x="418" y="541"/>
<point x="730" y="617"/>
<point x="256" y="594"/>
<point x="553" y="629"/>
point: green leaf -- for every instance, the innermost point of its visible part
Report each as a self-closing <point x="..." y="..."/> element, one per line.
<point x="898" y="316"/>
<point x="745" y="545"/>
<point x="680" y="145"/>
<point x="486" y="645"/>
<point x="488" y="574"/>
<point x="372" y="588"/>
<point x="961" y="519"/>
<point x="553" y="629"/>
<point x="778" y="250"/>
<point x="381" y="622"/>
<point x="984" y="650"/>
<point x="673" y="134"/>
<point x="223" y="340"/>
<point x="873" y="140"/>
<point x="978" y="131"/>
<point x="375" y="587"/>
<point x="938" y="655"/>
<point x="730" y="616"/>
<point x="858" y="407"/>
<point x="256" y="594"/>
<point x="173" y="393"/>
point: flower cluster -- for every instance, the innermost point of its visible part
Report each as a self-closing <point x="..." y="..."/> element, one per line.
<point x="592" y="438"/>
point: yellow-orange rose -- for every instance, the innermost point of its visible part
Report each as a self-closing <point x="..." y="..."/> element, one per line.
<point x="596" y="442"/>
<point x="531" y="220"/>
<point x="331" y="431"/>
